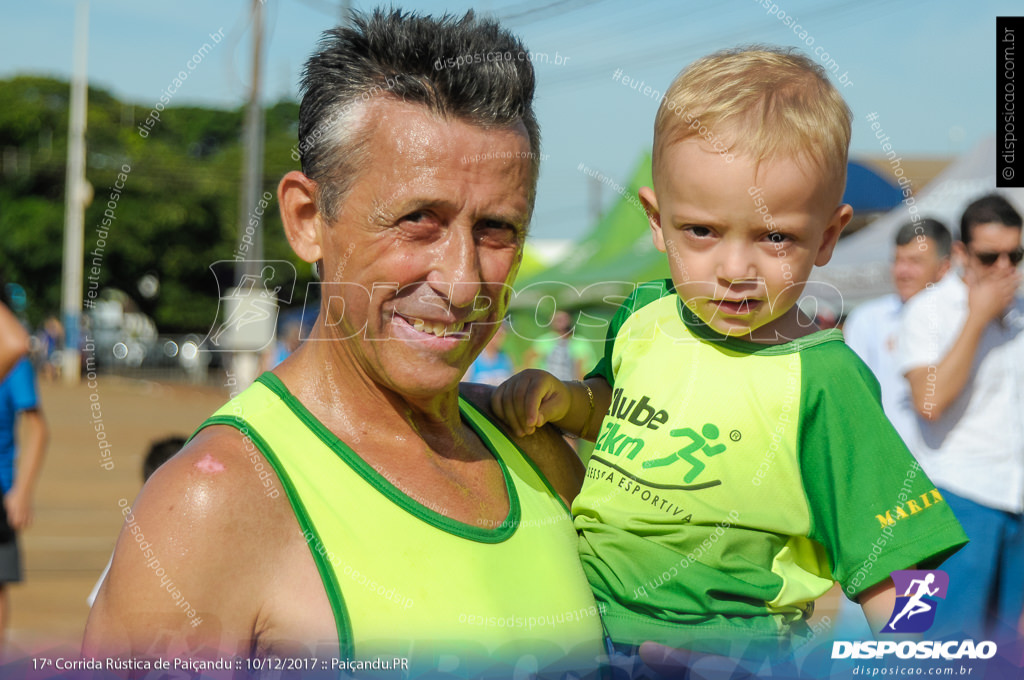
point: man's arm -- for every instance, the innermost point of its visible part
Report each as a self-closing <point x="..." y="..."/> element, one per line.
<point x="32" y="438"/>
<point x="190" y="549"/>
<point x="933" y="388"/>
<point x="14" y="340"/>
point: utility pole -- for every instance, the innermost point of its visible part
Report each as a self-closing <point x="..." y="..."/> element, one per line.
<point x="252" y="156"/>
<point x="75" y="195"/>
<point x="245" y="359"/>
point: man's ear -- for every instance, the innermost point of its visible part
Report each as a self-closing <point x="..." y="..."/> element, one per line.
<point x="303" y="225"/>
<point x="960" y="254"/>
<point x="650" y="203"/>
<point x="840" y="218"/>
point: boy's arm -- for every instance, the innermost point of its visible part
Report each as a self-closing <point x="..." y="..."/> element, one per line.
<point x="31" y="449"/>
<point x="877" y="603"/>
<point x="531" y="398"/>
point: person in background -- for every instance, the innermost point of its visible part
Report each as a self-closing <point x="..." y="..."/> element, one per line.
<point x="14" y="340"/>
<point x="20" y="463"/>
<point x="560" y="352"/>
<point x="922" y="258"/>
<point x="51" y="340"/>
<point x="493" y="366"/>
<point x="961" y="348"/>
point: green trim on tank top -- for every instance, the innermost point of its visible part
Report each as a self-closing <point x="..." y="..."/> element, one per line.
<point x="529" y="461"/>
<point x="702" y="330"/>
<point x="505" y="530"/>
<point x="342" y="622"/>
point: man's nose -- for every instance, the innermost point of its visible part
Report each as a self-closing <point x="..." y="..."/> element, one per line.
<point x="456" y="272"/>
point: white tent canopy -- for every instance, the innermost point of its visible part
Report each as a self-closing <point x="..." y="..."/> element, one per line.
<point x="859" y="269"/>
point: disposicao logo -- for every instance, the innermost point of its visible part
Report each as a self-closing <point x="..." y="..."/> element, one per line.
<point x="917" y="598"/>
<point x="914" y="611"/>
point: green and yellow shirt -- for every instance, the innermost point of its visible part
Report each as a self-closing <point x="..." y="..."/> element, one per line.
<point x="732" y="483"/>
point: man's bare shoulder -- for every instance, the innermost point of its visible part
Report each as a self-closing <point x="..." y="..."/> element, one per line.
<point x="546" y="447"/>
<point x="215" y="481"/>
<point x="203" y="532"/>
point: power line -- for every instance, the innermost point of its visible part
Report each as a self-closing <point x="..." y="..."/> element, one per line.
<point x="543" y="8"/>
<point x="667" y="53"/>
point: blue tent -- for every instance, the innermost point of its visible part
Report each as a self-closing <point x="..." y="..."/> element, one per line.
<point x="867" y="191"/>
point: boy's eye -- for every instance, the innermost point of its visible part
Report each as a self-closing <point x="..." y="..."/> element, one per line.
<point x="697" y="230"/>
<point x="777" y="237"/>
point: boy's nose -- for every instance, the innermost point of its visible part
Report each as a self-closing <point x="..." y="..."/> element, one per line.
<point x="737" y="265"/>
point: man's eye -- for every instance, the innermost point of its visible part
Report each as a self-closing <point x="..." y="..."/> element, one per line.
<point x="417" y="216"/>
<point x="497" y="231"/>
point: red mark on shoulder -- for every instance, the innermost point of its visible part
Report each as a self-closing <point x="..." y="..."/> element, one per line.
<point x="210" y="464"/>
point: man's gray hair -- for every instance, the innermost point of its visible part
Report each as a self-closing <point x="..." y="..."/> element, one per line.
<point x="446" y="64"/>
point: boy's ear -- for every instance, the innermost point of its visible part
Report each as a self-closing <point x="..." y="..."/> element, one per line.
<point x="650" y="203"/>
<point x="303" y="224"/>
<point x="840" y="218"/>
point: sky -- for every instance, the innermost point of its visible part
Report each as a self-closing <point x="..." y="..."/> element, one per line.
<point x="926" y="69"/>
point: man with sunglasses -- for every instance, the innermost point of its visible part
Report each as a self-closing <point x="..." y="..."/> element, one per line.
<point x="962" y="351"/>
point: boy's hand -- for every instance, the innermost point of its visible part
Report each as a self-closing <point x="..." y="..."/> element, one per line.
<point x="529" y="399"/>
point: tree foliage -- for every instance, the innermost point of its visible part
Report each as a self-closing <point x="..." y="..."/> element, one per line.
<point x="177" y="214"/>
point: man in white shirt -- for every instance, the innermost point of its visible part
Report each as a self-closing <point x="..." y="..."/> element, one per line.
<point x="922" y="258"/>
<point x="962" y="350"/>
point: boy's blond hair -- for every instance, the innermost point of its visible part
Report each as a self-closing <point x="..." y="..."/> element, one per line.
<point x="762" y="102"/>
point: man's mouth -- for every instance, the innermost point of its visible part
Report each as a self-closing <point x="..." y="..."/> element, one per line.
<point x="438" y="329"/>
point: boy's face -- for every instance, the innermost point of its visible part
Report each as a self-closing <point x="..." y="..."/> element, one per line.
<point x="741" y="244"/>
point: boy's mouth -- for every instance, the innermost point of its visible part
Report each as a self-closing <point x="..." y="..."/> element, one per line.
<point x="737" y="307"/>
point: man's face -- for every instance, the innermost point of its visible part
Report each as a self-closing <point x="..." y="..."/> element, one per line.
<point x="990" y="239"/>
<point x="742" y="239"/>
<point x="418" y="261"/>
<point x="917" y="264"/>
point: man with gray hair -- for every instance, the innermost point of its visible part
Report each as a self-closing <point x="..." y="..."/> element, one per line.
<point x="921" y="259"/>
<point x="408" y="531"/>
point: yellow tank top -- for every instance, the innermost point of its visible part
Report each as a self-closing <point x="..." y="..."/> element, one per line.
<point x="404" y="580"/>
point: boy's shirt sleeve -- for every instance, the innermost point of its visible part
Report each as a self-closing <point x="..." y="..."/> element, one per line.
<point x="642" y="295"/>
<point x="871" y="505"/>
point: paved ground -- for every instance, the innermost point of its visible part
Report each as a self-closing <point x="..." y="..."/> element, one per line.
<point x="77" y="517"/>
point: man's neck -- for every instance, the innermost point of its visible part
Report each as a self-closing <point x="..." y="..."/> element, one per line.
<point x="333" y="385"/>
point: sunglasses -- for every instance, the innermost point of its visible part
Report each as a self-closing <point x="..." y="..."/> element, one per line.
<point x="989" y="259"/>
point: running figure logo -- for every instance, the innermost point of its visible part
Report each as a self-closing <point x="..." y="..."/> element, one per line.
<point x="247" y="313"/>
<point x="914" y="611"/>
